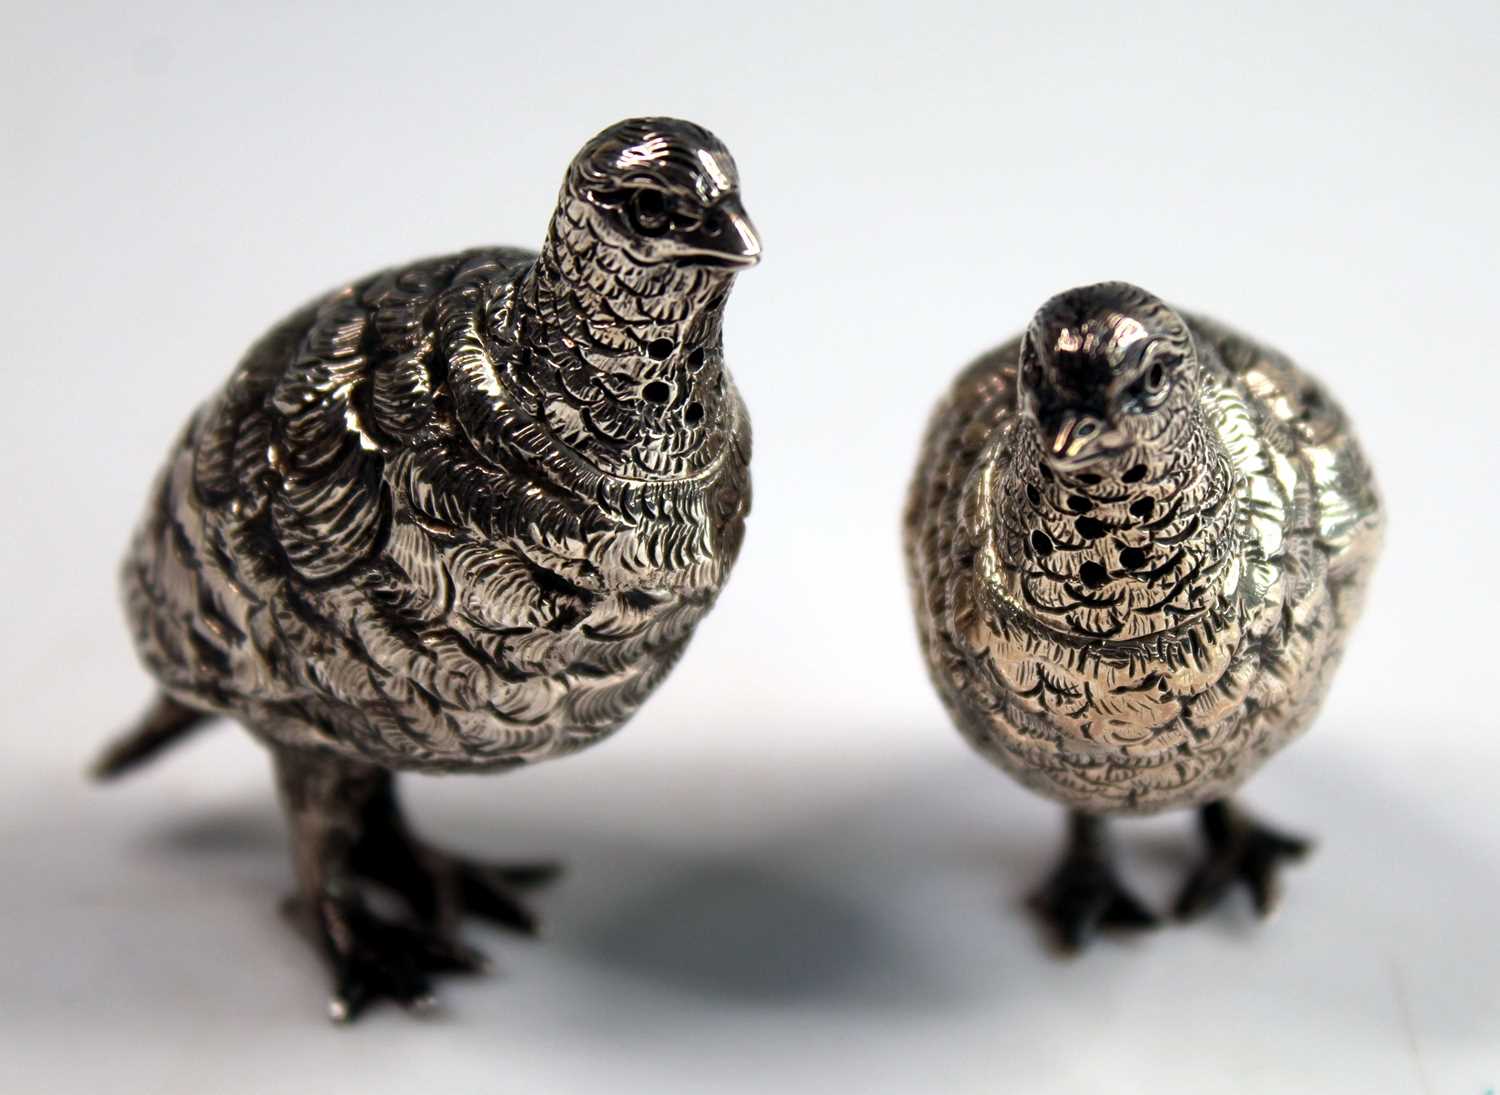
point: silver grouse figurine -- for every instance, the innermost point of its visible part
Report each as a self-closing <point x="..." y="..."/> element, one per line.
<point x="458" y="516"/>
<point x="1137" y="542"/>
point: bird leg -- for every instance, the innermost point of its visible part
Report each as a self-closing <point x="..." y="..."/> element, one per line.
<point x="346" y="829"/>
<point x="437" y="886"/>
<point x="1083" y="893"/>
<point x="1239" y="849"/>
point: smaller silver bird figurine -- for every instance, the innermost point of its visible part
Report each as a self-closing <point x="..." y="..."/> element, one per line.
<point x="461" y="515"/>
<point x="1137" y="541"/>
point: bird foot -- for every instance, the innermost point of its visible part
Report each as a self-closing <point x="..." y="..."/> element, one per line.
<point x="440" y="889"/>
<point x="1084" y="894"/>
<point x="374" y="958"/>
<point x="351" y="845"/>
<point x="1239" y="850"/>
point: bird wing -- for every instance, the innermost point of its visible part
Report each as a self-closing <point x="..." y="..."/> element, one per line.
<point x="940" y="547"/>
<point x="281" y="489"/>
<point x="1333" y="506"/>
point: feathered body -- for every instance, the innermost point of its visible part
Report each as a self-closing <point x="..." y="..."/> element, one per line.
<point x="458" y="516"/>
<point x="461" y="514"/>
<point x="1140" y="631"/>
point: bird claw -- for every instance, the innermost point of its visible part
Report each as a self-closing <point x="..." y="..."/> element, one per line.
<point x="1240" y="850"/>
<point x="375" y="955"/>
<point x="374" y="958"/>
<point x="1084" y="895"/>
<point x="484" y="890"/>
<point x="441" y="888"/>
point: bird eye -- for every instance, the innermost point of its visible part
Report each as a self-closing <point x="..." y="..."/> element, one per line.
<point x="1031" y="370"/>
<point x="1149" y="391"/>
<point x="648" y="211"/>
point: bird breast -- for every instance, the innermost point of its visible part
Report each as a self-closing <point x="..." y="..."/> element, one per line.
<point x="1107" y="611"/>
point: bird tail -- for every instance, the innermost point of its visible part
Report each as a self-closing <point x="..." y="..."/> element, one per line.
<point x="162" y="724"/>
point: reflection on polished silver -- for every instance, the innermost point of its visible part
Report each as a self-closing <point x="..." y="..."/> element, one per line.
<point x="460" y="515"/>
<point x="1137" y="542"/>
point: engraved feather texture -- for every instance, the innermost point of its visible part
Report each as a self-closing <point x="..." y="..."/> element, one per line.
<point x="1139" y="629"/>
<point x="466" y="513"/>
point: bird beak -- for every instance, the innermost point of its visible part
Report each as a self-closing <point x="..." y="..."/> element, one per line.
<point x="744" y="231"/>
<point x="1070" y="437"/>
<point x="726" y="238"/>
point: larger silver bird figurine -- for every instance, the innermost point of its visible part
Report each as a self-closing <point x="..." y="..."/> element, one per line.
<point x="461" y="515"/>
<point x="1137" y="542"/>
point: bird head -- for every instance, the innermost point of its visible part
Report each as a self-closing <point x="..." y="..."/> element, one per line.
<point x="663" y="191"/>
<point x="1105" y="370"/>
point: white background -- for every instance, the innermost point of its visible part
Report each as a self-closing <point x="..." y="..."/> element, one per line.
<point x="788" y="874"/>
